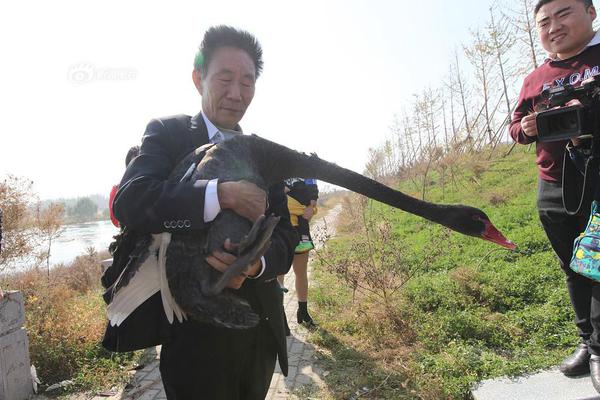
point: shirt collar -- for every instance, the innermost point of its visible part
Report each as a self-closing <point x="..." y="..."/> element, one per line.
<point x="595" y="40"/>
<point x="210" y="127"/>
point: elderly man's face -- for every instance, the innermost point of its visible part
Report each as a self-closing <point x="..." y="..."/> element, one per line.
<point x="228" y="87"/>
<point x="565" y="26"/>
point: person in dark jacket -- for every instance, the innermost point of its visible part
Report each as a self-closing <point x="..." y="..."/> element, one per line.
<point x="200" y="361"/>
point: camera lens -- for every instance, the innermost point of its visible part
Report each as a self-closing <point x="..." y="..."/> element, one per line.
<point x="568" y="122"/>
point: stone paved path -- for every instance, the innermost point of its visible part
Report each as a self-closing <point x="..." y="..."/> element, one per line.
<point x="546" y="385"/>
<point x="146" y="383"/>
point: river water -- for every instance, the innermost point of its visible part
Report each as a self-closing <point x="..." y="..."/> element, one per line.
<point x="77" y="238"/>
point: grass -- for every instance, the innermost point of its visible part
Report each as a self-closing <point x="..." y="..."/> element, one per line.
<point x="65" y="321"/>
<point x="470" y="312"/>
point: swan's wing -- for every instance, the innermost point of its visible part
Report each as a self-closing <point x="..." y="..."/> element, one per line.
<point x="144" y="284"/>
<point x="169" y="304"/>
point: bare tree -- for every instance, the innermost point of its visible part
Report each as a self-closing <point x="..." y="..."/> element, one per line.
<point x="430" y="106"/>
<point x="374" y="166"/>
<point x="480" y="55"/>
<point x="462" y="93"/>
<point x="19" y="240"/>
<point x="471" y="121"/>
<point x="49" y="223"/>
<point x="503" y="40"/>
<point x="418" y="124"/>
<point x="446" y="142"/>
<point x="399" y="142"/>
<point x="409" y="133"/>
<point x="450" y="86"/>
<point x="524" y="22"/>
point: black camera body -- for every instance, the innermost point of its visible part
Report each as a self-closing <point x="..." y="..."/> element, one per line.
<point x="575" y="121"/>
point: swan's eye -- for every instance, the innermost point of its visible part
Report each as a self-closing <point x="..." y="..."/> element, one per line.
<point x="480" y="218"/>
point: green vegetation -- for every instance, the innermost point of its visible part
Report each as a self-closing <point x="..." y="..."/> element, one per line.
<point x="419" y="312"/>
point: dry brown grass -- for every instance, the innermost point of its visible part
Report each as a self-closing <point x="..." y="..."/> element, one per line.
<point x="65" y="321"/>
<point x="468" y="279"/>
<point x="497" y="199"/>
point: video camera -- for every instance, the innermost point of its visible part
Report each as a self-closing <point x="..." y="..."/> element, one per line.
<point x="580" y="120"/>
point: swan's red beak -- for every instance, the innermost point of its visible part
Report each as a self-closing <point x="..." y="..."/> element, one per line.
<point x="493" y="235"/>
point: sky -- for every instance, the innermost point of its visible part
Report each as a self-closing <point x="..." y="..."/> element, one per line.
<point x="79" y="81"/>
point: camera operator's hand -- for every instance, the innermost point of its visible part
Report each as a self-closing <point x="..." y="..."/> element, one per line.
<point x="529" y="125"/>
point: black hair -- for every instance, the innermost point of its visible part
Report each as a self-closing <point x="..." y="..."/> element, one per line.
<point x="541" y="3"/>
<point x="227" y="36"/>
<point x="131" y="154"/>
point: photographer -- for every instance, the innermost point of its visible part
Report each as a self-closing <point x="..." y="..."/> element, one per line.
<point x="566" y="33"/>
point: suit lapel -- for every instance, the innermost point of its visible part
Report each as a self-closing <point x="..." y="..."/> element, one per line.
<point x="198" y="131"/>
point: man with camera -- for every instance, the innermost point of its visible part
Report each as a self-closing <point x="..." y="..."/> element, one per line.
<point x="566" y="33"/>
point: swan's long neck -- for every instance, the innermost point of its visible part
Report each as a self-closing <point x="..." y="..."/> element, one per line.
<point x="279" y="162"/>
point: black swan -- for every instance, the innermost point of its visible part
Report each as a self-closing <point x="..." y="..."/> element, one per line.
<point x="197" y="288"/>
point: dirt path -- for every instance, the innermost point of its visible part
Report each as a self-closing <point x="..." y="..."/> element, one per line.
<point x="301" y="354"/>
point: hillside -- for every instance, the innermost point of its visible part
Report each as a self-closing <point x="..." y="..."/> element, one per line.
<point x="411" y="310"/>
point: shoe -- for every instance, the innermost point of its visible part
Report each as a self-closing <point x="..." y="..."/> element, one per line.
<point x="305" y="319"/>
<point x="304" y="246"/>
<point x="577" y="363"/>
<point x="595" y="371"/>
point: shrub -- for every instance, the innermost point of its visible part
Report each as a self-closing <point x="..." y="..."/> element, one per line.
<point x="65" y="321"/>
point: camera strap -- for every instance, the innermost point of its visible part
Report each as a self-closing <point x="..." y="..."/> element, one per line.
<point x="577" y="191"/>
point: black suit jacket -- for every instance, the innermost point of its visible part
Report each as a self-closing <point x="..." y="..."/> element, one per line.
<point x="147" y="202"/>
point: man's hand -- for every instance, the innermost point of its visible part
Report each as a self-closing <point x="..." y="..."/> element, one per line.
<point x="529" y="126"/>
<point x="242" y="197"/>
<point x="221" y="261"/>
<point x="308" y="213"/>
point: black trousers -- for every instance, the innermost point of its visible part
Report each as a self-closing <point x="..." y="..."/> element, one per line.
<point x="562" y="229"/>
<point x="205" y="362"/>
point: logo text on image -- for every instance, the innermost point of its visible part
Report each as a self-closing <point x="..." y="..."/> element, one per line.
<point x="87" y="72"/>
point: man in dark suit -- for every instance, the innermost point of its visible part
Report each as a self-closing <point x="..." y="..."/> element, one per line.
<point x="200" y="361"/>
